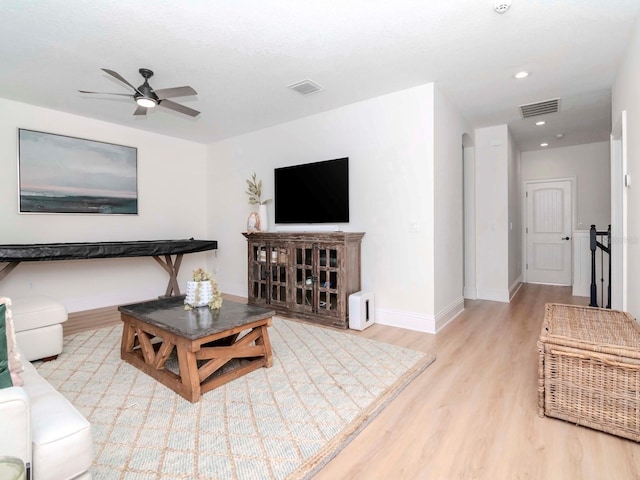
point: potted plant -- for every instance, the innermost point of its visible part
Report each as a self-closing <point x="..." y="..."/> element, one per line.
<point x="202" y="290"/>
<point x="254" y="190"/>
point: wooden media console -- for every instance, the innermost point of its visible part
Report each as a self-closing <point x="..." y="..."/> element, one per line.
<point x="305" y="275"/>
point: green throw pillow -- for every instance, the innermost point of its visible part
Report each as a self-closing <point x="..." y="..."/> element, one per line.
<point x="5" y="374"/>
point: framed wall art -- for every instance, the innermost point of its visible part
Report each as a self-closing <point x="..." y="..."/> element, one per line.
<point x="61" y="174"/>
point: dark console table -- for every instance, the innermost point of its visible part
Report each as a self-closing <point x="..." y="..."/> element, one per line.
<point x="38" y="252"/>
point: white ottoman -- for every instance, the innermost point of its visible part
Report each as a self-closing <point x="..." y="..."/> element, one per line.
<point x="38" y="324"/>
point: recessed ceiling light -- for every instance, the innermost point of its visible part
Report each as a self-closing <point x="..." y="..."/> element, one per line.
<point x="544" y="144"/>
<point x="559" y="135"/>
<point x="522" y="74"/>
<point x="541" y="122"/>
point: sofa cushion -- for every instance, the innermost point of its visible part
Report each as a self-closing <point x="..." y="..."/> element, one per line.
<point x="5" y="374"/>
<point x="61" y="436"/>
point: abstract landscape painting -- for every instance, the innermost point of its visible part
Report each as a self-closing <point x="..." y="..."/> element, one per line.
<point x="60" y="174"/>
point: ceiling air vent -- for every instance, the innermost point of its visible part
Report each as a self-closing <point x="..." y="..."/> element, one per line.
<point x="305" y="87"/>
<point x="540" y="108"/>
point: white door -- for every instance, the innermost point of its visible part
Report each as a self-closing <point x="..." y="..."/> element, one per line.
<point x="548" y="232"/>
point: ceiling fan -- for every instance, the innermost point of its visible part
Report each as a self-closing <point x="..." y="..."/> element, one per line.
<point x="146" y="97"/>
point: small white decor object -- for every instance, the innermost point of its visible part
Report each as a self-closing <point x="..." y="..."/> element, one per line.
<point x="253" y="223"/>
<point x="264" y="217"/>
<point x="202" y="291"/>
<point x="254" y="190"/>
<point x="199" y="293"/>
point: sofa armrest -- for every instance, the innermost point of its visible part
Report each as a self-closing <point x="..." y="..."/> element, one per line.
<point x="15" y="419"/>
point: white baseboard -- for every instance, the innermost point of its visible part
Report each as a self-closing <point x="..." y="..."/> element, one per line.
<point x="409" y="320"/>
<point x="419" y="321"/>
<point x="515" y="287"/>
<point x="449" y="313"/>
<point x="580" y="291"/>
<point x="493" y="295"/>
<point x="471" y="293"/>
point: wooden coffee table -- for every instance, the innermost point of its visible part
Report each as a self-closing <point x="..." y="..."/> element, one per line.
<point x="213" y="346"/>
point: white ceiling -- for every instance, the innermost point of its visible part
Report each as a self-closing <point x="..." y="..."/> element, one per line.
<point x="241" y="55"/>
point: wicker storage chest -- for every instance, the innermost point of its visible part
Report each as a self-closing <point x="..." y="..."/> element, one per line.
<point x="589" y="368"/>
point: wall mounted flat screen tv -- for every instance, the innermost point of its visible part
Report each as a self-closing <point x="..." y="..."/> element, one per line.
<point x="312" y="193"/>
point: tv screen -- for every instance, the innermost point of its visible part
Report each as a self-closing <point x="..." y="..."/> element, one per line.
<point x="312" y="193"/>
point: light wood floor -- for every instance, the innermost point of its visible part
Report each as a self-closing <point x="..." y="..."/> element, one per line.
<point x="473" y="413"/>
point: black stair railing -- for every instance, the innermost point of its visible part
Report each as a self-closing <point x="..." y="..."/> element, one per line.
<point x="596" y="242"/>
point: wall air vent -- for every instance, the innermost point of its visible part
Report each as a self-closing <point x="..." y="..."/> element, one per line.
<point x="305" y="87"/>
<point x="540" y="108"/>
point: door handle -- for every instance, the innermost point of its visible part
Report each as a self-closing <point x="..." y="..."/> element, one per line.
<point x="565" y="238"/>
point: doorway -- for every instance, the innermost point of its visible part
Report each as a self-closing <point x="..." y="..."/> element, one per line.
<point x="548" y="231"/>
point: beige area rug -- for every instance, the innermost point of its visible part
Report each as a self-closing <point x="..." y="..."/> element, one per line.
<point x="283" y="422"/>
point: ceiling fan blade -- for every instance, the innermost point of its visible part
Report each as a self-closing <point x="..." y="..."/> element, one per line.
<point x="140" y="111"/>
<point x="163" y="93"/>
<point x="108" y="93"/>
<point x="121" y="78"/>
<point x="179" y="108"/>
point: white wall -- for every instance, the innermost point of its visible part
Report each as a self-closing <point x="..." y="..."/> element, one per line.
<point x="171" y="204"/>
<point x="492" y="213"/>
<point x="626" y="96"/>
<point x="470" y="290"/>
<point x="514" y="227"/>
<point x="448" y="204"/>
<point x="582" y="268"/>
<point x="390" y="144"/>
<point x="590" y="165"/>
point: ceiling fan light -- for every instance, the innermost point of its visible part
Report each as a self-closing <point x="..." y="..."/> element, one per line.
<point x="146" y="102"/>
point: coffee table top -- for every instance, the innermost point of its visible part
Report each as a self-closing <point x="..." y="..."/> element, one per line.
<point x="169" y="313"/>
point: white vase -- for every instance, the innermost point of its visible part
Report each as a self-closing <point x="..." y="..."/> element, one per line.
<point x="199" y="294"/>
<point x="264" y="218"/>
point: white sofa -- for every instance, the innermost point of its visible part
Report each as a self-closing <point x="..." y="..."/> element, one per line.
<point x="43" y="429"/>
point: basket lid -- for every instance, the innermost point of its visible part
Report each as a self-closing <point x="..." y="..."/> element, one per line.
<point x="590" y="328"/>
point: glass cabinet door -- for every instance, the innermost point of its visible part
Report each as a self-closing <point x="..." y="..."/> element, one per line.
<point x="316" y="283"/>
<point x="268" y="274"/>
<point x="278" y="278"/>
<point x="258" y="273"/>
<point x="328" y="267"/>
<point x="305" y="279"/>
